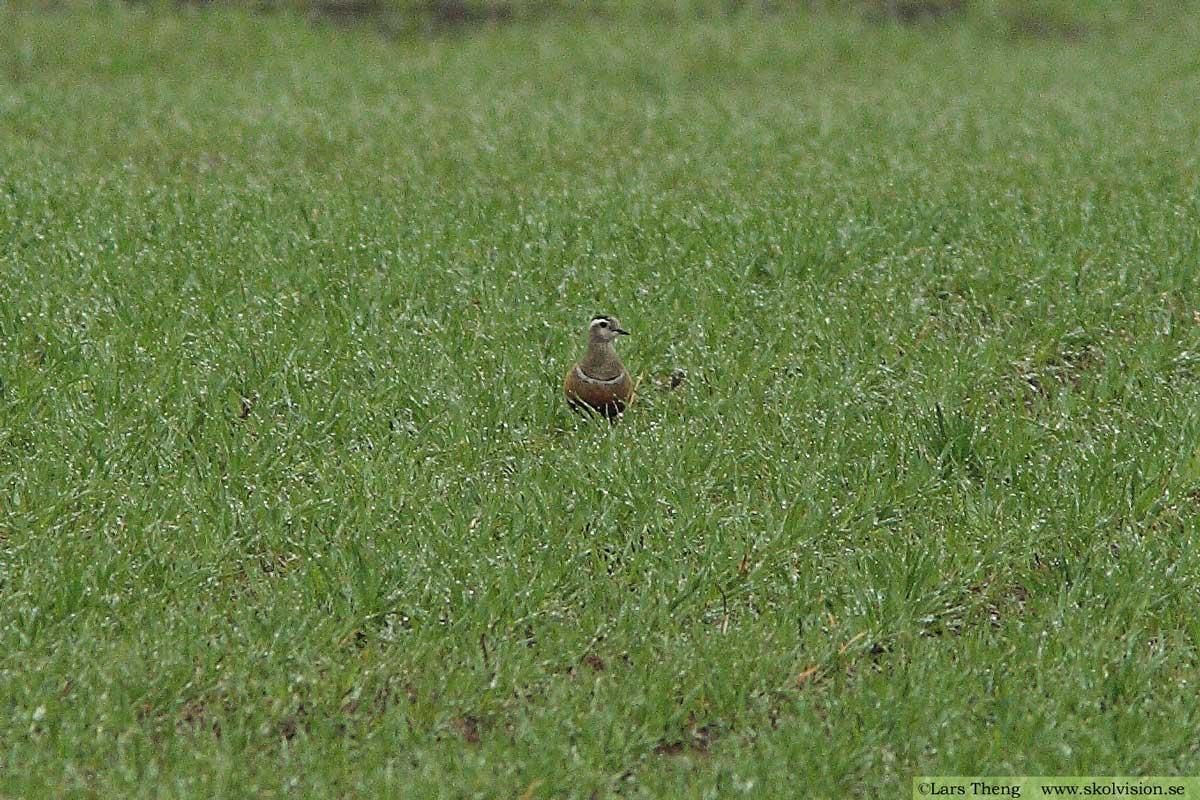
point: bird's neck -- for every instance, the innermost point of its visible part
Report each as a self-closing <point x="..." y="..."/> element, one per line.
<point x="601" y="361"/>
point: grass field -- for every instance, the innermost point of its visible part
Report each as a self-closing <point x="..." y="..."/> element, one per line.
<point x="292" y="507"/>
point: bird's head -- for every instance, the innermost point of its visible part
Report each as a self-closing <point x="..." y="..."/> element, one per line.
<point x="604" y="328"/>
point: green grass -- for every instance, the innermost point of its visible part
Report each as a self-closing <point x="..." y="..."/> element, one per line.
<point x="291" y="504"/>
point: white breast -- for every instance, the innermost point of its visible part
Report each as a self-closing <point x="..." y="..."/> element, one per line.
<point x="583" y="376"/>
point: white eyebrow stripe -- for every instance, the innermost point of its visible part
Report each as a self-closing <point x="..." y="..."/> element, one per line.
<point x="583" y="376"/>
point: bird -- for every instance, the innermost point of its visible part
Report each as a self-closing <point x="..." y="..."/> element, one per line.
<point x="599" y="383"/>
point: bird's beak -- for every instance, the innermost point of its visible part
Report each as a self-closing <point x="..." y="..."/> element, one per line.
<point x="621" y="331"/>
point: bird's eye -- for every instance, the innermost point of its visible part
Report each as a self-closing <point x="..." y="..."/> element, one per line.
<point x="603" y="324"/>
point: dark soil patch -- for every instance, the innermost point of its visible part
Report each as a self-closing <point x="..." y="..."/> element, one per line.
<point x="914" y="12"/>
